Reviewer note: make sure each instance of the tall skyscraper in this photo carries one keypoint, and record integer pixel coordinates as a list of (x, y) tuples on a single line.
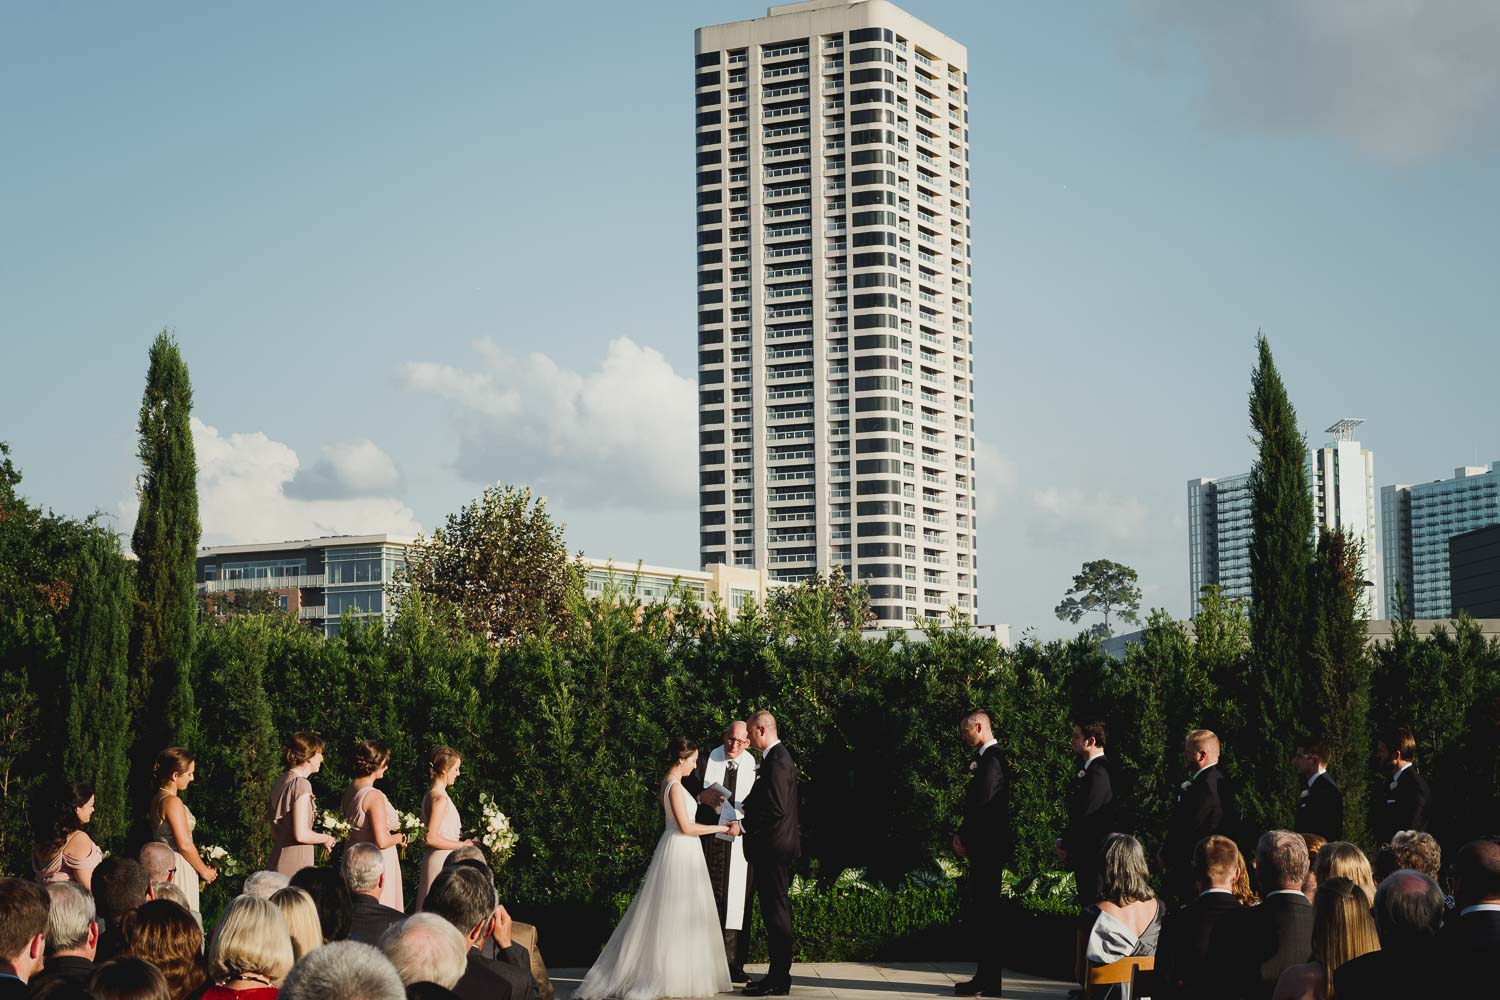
[(1429, 514), (1395, 551), (835, 374), (1342, 477), (1219, 530)]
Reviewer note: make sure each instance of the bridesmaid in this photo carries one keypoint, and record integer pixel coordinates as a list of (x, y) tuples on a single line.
[(439, 816), (63, 851), (293, 811), (172, 822), (371, 818)]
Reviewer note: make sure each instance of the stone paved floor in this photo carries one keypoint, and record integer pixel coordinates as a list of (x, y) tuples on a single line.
[(864, 981)]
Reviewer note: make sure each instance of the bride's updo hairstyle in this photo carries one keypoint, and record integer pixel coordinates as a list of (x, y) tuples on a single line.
[(679, 749)]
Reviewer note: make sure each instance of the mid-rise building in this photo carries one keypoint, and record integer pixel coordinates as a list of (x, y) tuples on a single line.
[(1474, 572), (1219, 532), (1342, 477), (1429, 514), (835, 367)]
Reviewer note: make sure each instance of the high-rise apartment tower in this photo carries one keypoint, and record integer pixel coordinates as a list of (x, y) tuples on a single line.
[(1342, 477), (835, 375), (1426, 516)]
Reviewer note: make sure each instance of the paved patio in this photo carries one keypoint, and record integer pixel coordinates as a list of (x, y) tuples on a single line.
[(870, 981)]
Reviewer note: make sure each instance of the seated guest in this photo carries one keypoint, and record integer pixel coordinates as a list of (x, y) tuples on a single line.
[(1472, 939), (1342, 930), (1243, 890), (159, 860), (120, 885), (1251, 948), (301, 916), (1420, 852), (172, 892), (1408, 912), (128, 978), (23, 934), (1383, 864), (1181, 971), (57, 989), (465, 897), (344, 970), (1342, 859), (524, 934), (365, 872), (265, 884), (72, 935), (328, 891), (64, 852), (1314, 844), (165, 934), (1130, 915), (429, 954), (251, 951)]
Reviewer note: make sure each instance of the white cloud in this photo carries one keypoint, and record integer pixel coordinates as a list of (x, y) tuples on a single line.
[(1075, 516), (621, 436), (1402, 79), (995, 477), (243, 498), (346, 470)]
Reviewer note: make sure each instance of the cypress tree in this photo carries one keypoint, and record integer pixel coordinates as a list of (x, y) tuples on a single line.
[(1281, 554), (166, 544)]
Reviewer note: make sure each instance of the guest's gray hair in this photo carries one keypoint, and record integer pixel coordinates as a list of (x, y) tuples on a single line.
[(464, 896), (343, 970), (265, 884), (159, 860), (363, 866), (69, 914), (1281, 860), (426, 948), (1408, 909), (1123, 877), (468, 852)]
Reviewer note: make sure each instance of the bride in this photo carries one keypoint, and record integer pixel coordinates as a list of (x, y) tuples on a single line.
[(669, 944)]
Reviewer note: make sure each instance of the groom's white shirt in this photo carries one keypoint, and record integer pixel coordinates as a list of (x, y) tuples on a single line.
[(769, 747)]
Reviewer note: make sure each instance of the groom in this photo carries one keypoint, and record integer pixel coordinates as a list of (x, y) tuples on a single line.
[(772, 842)]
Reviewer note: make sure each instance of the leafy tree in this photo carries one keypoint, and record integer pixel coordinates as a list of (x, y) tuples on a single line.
[(165, 543), (1281, 554), (232, 603), (835, 598), (501, 562), (1105, 588), (1336, 705)]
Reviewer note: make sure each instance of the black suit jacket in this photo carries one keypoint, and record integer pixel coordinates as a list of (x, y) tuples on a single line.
[(1320, 809), (1406, 806), (1253, 946), (1204, 808), (429, 991), (1182, 957), (65, 969), (1470, 945), (770, 824), (370, 918), (1091, 817), (13, 988), (502, 978), (1393, 975), (985, 830)]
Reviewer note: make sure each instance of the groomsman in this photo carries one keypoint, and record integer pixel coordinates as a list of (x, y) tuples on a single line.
[(730, 766), (1320, 807), (984, 838), (1205, 806), (1408, 800), (772, 843), (1091, 811)]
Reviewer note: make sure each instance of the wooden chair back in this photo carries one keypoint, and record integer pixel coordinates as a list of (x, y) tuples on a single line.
[(1119, 972)]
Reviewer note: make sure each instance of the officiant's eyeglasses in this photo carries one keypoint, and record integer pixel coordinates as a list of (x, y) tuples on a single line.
[(736, 742)]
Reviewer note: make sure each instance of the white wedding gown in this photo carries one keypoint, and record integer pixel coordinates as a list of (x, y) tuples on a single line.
[(670, 943)]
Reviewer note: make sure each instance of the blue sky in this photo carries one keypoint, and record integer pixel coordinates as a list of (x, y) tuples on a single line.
[(411, 250)]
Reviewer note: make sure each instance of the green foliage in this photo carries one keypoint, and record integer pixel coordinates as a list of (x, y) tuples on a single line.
[(1105, 588), (165, 543), (1281, 555)]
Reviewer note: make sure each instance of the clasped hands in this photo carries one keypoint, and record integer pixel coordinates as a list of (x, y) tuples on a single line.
[(714, 800)]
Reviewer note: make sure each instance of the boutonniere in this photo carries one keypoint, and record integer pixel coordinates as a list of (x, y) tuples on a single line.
[(1187, 784), (974, 766), (1080, 773), (1395, 783), (1304, 794)]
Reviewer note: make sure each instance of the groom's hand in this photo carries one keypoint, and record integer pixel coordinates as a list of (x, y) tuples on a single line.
[(735, 829), (711, 798)]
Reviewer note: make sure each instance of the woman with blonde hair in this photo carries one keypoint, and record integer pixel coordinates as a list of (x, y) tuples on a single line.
[(372, 820), (1341, 859), (166, 935), (439, 816), (301, 916), (293, 810), (1342, 930), (172, 822), (251, 951), (1242, 889)]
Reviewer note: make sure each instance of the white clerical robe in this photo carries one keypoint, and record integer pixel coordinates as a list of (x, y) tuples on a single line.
[(714, 771)]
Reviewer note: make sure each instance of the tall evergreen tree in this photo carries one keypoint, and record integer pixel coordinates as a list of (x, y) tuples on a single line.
[(166, 544), (1337, 701), (1281, 553)]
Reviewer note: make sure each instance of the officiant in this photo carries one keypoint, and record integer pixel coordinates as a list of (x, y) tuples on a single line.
[(731, 768)]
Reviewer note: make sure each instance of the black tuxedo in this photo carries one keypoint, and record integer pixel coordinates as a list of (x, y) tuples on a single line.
[(1253, 946), (1406, 807), (772, 843), (986, 839), (505, 977), (1469, 945), (1205, 807), (64, 968), (1182, 958), (1091, 818), (1394, 975), (1320, 809)]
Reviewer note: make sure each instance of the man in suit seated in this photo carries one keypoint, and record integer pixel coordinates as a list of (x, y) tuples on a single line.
[(1408, 913), (1472, 939), (72, 935), (23, 935), (1252, 947), (364, 873), (1181, 962), (465, 897), (429, 954)]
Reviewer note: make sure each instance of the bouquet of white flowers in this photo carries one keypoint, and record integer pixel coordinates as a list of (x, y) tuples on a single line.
[(228, 865), (334, 823), (411, 825), (495, 833)]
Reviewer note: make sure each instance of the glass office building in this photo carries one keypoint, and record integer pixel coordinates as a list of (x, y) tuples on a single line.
[(1429, 514)]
